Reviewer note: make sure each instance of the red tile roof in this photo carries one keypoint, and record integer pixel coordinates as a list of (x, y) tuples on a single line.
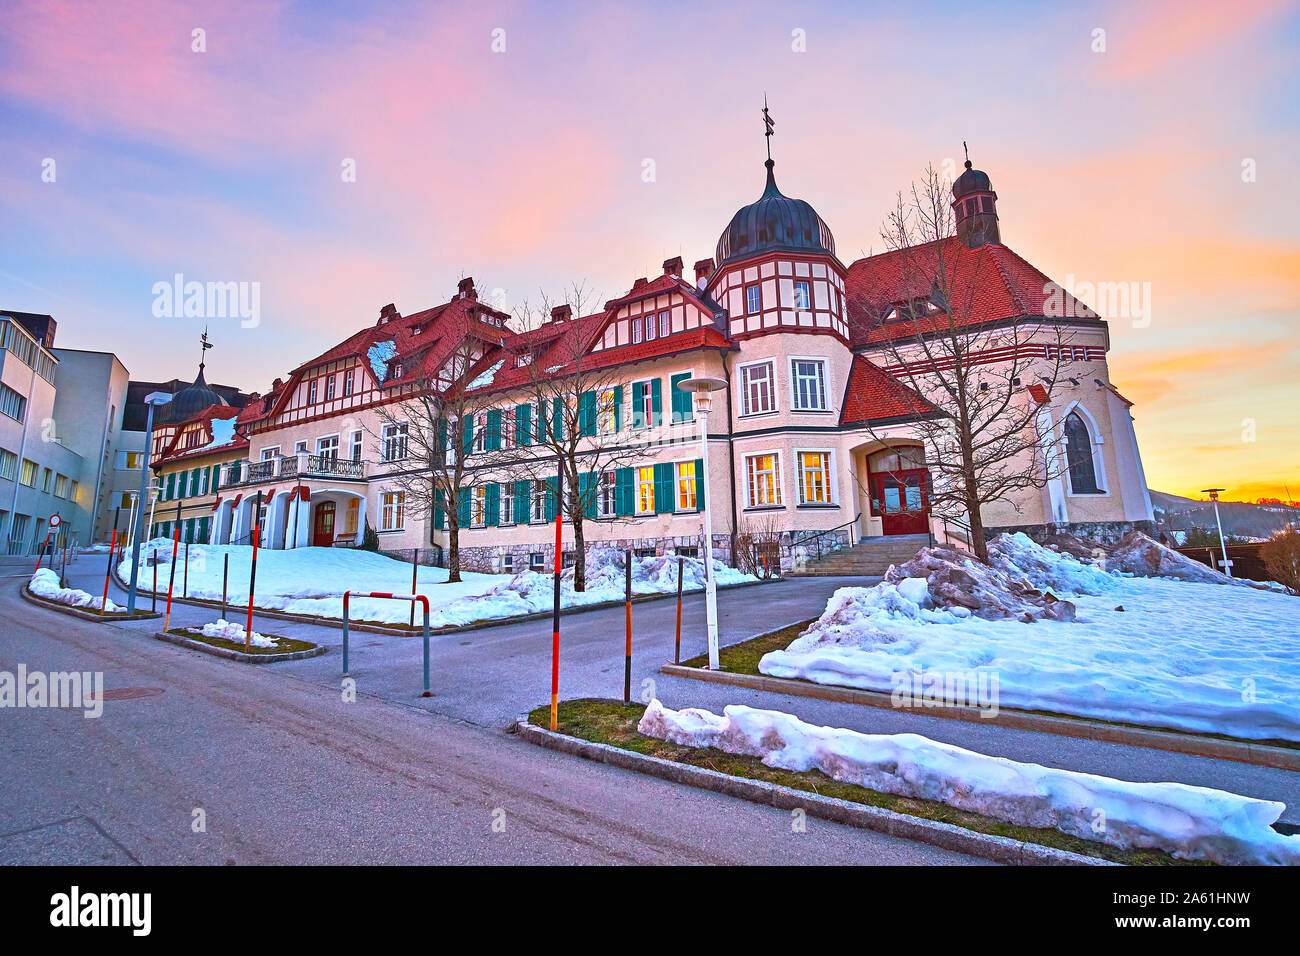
[(988, 284), (205, 418), (875, 395)]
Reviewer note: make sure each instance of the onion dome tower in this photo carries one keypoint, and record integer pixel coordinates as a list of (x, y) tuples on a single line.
[(192, 399), (976, 206), (774, 222)]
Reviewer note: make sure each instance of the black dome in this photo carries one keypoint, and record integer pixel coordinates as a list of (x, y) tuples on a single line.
[(971, 181), (189, 401), (774, 222)]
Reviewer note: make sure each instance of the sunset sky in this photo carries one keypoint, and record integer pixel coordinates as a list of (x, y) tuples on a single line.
[(526, 169)]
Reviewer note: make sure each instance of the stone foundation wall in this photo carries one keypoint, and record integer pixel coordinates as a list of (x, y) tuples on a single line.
[(491, 559), (1105, 532)]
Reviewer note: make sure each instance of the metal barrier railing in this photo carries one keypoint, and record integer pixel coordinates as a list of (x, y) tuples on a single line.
[(347, 595)]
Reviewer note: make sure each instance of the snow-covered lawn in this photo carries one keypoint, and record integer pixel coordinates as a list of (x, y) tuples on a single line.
[(45, 584), (311, 581), (1212, 658), (234, 631), (1188, 822)]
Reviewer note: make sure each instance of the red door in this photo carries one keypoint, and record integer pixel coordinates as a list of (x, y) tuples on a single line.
[(902, 501), (323, 532)]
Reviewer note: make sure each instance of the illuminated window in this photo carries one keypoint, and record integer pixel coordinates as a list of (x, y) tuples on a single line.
[(478, 507), (645, 490), (763, 474), (815, 478), (686, 486)]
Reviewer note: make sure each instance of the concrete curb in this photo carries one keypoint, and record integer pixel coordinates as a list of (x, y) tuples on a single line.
[(945, 835), (1262, 755), (77, 612), (401, 630), (194, 645)]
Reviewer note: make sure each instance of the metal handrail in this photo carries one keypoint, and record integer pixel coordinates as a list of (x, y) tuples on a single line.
[(818, 535)]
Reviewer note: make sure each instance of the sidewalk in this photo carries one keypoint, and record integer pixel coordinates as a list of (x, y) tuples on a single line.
[(491, 676)]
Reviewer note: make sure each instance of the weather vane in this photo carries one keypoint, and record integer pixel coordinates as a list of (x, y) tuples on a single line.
[(203, 341), (768, 124)]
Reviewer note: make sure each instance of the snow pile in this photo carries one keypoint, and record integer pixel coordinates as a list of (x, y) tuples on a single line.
[(45, 584), (234, 631), (486, 377), (1137, 554), (311, 581), (1188, 822), (1152, 651)]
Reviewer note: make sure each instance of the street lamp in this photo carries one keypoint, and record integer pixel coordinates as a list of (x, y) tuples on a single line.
[(1214, 496), (703, 388), (153, 400)]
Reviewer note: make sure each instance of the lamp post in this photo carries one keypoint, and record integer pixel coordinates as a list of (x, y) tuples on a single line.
[(153, 400), (1214, 496), (703, 388)]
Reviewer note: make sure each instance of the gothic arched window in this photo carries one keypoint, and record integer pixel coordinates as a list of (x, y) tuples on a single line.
[(1078, 454)]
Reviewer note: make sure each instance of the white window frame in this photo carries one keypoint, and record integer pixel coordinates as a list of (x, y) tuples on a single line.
[(665, 323), (269, 452), (330, 387), (606, 412), (778, 479), (390, 510), (607, 494), (478, 506), (338, 445), (647, 402), (753, 308), (804, 285), (388, 438), (506, 504), (348, 382), (356, 446), (636, 490), (636, 330), (311, 391), (537, 501), (832, 498), (824, 383), (651, 321), (679, 491), (1097, 440), (743, 381)]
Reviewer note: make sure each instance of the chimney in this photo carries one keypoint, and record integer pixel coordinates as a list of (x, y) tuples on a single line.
[(673, 266), (387, 314), (561, 313), (703, 272), (465, 289)]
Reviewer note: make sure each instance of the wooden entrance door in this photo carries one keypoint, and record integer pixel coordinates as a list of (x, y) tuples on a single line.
[(902, 501), (323, 530)]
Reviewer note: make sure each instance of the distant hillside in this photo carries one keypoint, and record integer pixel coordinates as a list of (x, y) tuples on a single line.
[(1243, 518)]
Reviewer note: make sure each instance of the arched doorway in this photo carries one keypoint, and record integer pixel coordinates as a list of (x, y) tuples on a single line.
[(899, 485)]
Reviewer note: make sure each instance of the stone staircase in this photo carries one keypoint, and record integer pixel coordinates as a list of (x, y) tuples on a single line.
[(870, 556)]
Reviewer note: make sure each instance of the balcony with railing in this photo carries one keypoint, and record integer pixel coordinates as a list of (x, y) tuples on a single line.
[(243, 473)]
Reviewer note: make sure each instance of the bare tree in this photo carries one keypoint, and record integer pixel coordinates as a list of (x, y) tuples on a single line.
[(426, 436), (578, 437), (988, 440)]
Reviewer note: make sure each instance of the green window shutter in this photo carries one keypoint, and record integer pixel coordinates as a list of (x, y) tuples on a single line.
[(166, 529), (663, 488), (493, 505), (623, 491), (551, 498), (524, 424), (439, 512), (557, 411), (203, 530), (656, 403), (587, 493), (522, 503), (171, 487), (194, 482), (440, 431), (587, 414), (462, 507), (638, 405), (618, 408), (493, 439), (699, 484), (466, 435), (683, 408)]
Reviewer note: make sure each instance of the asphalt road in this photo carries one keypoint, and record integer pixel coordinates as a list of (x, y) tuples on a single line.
[(284, 771)]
